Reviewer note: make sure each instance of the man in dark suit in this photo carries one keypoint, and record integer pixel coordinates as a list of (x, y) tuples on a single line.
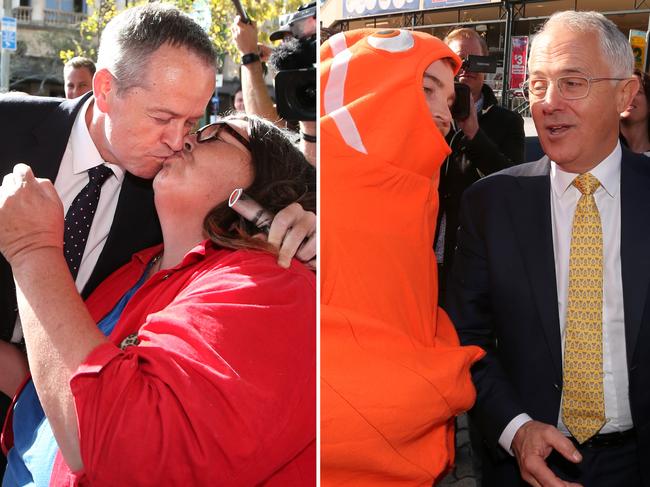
[(156, 71), (551, 278), (489, 139)]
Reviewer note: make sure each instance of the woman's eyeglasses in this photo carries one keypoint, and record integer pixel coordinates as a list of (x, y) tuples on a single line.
[(211, 132)]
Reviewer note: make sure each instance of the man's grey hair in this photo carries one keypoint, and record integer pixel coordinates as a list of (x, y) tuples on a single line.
[(613, 44), (79, 62), (130, 38)]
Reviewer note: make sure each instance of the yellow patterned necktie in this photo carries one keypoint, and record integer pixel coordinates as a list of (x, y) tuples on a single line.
[(583, 403)]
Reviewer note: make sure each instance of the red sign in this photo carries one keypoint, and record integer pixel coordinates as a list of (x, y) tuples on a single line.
[(518, 61)]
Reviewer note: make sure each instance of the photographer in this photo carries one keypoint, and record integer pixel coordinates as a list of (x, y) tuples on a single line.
[(489, 139), (256, 99), (297, 51), (295, 88)]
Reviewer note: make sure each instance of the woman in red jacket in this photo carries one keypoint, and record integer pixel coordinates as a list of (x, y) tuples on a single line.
[(192, 365)]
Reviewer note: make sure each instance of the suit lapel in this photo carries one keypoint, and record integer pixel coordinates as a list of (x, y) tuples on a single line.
[(635, 242), (52, 138), (530, 207)]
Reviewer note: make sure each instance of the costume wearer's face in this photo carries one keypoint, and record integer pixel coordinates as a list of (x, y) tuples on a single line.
[(146, 124), (239, 102), (576, 134), (202, 175), (438, 86), (77, 82), (464, 48), (637, 111)]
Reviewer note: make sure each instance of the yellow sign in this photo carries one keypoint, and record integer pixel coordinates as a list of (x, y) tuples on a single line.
[(637, 41)]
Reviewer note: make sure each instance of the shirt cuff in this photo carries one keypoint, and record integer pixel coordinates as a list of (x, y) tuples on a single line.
[(508, 434)]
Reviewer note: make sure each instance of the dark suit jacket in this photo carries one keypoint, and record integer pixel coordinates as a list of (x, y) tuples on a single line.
[(35, 131), (503, 297), (498, 144)]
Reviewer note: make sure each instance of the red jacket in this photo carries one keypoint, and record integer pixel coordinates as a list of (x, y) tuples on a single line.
[(221, 388)]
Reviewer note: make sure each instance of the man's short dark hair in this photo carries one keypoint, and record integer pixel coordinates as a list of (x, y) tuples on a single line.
[(79, 62), (467, 33), (129, 40)]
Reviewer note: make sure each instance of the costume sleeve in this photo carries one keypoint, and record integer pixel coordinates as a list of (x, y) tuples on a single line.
[(220, 391), (469, 307), (490, 155)]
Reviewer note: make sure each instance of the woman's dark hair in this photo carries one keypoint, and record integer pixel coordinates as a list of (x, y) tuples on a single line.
[(281, 176), (645, 84)]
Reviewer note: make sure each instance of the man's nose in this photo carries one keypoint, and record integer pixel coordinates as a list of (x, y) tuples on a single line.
[(443, 120), (552, 99), (174, 135)]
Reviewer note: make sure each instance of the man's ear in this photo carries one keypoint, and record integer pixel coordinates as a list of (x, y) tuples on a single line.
[(104, 89), (628, 88)]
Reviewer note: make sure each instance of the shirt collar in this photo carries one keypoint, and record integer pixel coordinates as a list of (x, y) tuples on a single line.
[(84, 152), (608, 172), (479, 103), (195, 254)]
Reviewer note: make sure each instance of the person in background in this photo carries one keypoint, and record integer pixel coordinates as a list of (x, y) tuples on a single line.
[(635, 120), (491, 138), (194, 364), (393, 376), (238, 100), (78, 75), (296, 51)]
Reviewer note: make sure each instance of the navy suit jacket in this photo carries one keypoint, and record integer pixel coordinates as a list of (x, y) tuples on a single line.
[(35, 131), (503, 297)]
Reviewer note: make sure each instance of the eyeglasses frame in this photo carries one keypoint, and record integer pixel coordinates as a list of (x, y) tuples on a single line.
[(526, 92), (223, 125)]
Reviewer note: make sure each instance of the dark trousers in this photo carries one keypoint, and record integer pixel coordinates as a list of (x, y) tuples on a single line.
[(612, 466)]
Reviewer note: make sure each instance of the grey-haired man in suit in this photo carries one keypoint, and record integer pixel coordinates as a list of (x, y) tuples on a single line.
[(563, 390)]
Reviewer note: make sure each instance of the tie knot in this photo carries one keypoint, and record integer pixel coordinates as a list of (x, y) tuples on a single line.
[(99, 174), (586, 183)]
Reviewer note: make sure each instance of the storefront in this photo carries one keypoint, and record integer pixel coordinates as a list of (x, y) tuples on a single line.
[(506, 25)]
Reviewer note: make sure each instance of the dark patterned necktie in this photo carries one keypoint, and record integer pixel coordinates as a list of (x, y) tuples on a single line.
[(80, 216)]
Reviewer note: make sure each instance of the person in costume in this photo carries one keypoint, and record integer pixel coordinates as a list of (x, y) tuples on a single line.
[(393, 376)]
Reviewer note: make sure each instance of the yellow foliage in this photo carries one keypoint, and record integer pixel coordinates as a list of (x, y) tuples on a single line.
[(266, 14)]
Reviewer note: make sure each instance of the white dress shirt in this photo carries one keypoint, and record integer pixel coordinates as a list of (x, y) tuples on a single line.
[(79, 156), (564, 199)]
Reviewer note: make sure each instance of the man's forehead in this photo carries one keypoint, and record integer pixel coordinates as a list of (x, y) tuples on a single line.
[(465, 44), (557, 45), (440, 69)]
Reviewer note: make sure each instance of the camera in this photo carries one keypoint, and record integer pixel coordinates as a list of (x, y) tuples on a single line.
[(479, 64), (473, 64), (460, 108), (294, 61)]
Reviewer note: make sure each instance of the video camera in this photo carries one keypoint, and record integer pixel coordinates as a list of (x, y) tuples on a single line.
[(473, 64), (295, 60), (479, 64)]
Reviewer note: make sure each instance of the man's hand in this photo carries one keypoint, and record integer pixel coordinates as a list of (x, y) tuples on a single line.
[(265, 52), (244, 35), (532, 444), (31, 215), (288, 229), (469, 126)]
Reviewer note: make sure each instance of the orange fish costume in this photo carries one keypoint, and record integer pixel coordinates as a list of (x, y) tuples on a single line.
[(393, 375)]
